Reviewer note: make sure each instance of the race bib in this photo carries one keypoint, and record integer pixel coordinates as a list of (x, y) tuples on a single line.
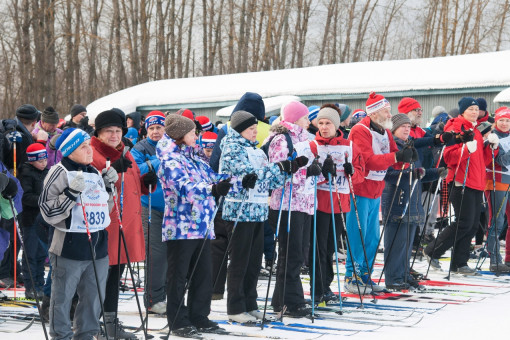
[(340, 155), (380, 146)]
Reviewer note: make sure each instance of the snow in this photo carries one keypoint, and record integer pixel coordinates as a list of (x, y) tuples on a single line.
[(452, 72), (503, 96)]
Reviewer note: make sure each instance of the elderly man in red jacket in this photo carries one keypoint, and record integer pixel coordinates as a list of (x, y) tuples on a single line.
[(373, 136)]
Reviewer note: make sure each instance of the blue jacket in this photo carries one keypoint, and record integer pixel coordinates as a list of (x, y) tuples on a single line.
[(234, 161), (415, 208), (145, 151)]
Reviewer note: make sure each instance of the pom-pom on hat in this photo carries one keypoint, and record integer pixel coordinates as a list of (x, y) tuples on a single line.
[(466, 102), (70, 140), (408, 104), (177, 126), (36, 152), (505, 113), (155, 118), (398, 120), (312, 112), (241, 120), (205, 122), (208, 139), (376, 102), (293, 111)]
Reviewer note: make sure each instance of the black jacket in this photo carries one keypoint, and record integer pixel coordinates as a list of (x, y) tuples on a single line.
[(31, 180), (6, 126)]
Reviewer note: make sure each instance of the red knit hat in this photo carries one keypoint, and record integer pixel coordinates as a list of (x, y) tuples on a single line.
[(205, 122), (186, 113), (155, 118), (408, 104), (36, 152), (501, 109), (505, 113), (208, 139), (376, 102)]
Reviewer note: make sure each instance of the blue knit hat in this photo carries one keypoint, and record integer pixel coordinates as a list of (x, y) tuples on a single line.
[(466, 102), (251, 102), (482, 103), (313, 111), (70, 140)]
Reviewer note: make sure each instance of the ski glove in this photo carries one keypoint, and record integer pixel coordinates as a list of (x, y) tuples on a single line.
[(415, 155), (348, 169), (443, 172), (122, 164), (291, 167), (150, 178), (110, 177), (77, 185), (493, 141), (328, 167), (314, 169), (249, 180), (418, 173), (465, 136), (471, 146), (405, 155), (14, 137), (221, 188), (11, 188), (443, 138)]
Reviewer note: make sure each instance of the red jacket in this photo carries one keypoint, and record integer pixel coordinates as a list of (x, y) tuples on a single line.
[(417, 132), (362, 136), (132, 214), (323, 198), (479, 159)]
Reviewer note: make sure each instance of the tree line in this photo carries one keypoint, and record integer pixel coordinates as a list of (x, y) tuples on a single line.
[(61, 52)]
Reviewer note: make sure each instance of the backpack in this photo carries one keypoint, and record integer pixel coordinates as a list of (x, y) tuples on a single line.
[(266, 145)]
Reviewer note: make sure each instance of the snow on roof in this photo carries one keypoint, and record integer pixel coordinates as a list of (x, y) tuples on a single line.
[(382, 76), (270, 104), (503, 96)]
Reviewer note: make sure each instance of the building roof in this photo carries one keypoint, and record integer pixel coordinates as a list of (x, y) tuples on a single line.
[(503, 96), (440, 73)]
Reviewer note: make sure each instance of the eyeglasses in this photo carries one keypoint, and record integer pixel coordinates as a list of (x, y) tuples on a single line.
[(418, 110)]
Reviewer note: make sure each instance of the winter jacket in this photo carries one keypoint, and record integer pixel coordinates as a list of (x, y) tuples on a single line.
[(84, 125), (186, 182), (57, 202), (235, 162), (6, 126), (262, 133), (478, 160), (485, 118), (302, 197), (323, 198), (17, 199), (501, 163), (132, 210), (144, 152), (361, 134), (31, 180), (50, 134), (415, 208)]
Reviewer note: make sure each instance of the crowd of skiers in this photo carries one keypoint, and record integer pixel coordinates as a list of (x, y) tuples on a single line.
[(202, 205)]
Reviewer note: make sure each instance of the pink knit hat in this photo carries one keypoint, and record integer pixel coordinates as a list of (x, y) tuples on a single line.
[(293, 111)]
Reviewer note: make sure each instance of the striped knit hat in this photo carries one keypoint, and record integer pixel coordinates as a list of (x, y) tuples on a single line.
[(376, 102), (155, 118), (205, 122), (208, 139), (70, 140), (36, 152), (313, 111)]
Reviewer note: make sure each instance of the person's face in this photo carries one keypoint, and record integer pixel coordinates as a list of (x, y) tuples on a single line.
[(250, 133), (190, 139), (82, 154), (481, 113), (415, 116), (111, 136), (503, 124), (303, 122), (48, 127), (155, 132), (129, 122), (40, 164), (314, 123), (208, 152), (471, 113), (383, 117), (326, 128), (79, 116), (403, 131)]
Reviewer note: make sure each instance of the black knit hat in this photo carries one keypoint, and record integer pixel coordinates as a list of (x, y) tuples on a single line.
[(27, 111), (110, 118), (50, 116), (77, 109), (241, 120)]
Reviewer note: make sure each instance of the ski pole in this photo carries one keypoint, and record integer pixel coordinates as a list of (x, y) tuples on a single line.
[(148, 263), (406, 271), (93, 254), (496, 241), (14, 170), (18, 233), (122, 239), (314, 243), (336, 248), (287, 247), (276, 241)]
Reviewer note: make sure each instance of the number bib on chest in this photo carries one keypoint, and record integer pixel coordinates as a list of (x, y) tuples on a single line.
[(338, 153), (95, 200), (303, 149), (504, 143), (260, 193), (380, 146)]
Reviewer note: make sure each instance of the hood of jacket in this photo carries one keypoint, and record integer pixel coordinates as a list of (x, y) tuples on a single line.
[(235, 137)]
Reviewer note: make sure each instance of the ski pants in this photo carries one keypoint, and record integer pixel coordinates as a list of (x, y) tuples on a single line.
[(397, 256), (223, 231)]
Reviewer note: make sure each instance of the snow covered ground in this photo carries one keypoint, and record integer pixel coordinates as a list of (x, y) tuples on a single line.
[(474, 307)]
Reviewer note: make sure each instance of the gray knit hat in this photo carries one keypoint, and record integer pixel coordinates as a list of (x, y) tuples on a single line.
[(49, 115), (398, 120), (331, 114), (436, 111), (241, 120), (177, 126)]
